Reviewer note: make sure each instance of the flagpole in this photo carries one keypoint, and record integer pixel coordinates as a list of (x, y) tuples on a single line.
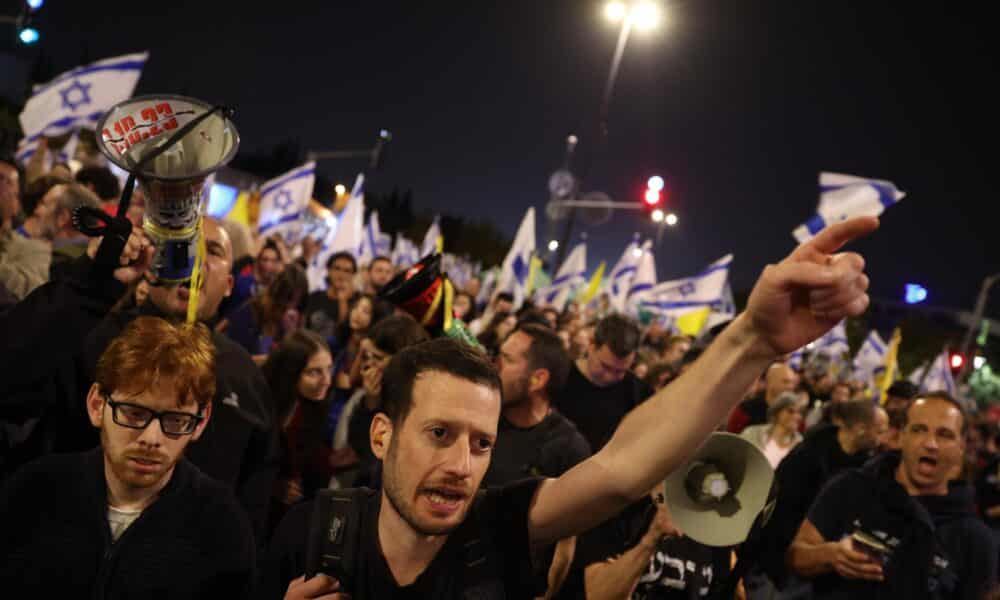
[(977, 316)]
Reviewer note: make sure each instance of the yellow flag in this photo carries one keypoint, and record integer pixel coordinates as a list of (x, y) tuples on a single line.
[(536, 265), (594, 285), (439, 244), (240, 212), (692, 323), (891, 366)]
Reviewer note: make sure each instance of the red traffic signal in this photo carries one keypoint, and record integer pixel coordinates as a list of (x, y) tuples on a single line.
[(956, 361), (652, 197)]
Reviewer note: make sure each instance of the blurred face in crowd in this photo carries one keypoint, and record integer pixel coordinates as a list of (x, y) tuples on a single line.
[(932, 446), (142, 458), (676, 351), (316, 377), (882, 437), (341, 274), (503, 306), (379, 273), (373, 357), (896, 403), (472, 287), (552, 317), (789, 418), (217, 282), (462, 306), (604, 368), (269, 265), (512, 364), (10, 197), (137, 207), (435, 458), (564, 336), (780, 378), (361, 314), (840, 393), (141, 292), (506, 326), (47, 212)]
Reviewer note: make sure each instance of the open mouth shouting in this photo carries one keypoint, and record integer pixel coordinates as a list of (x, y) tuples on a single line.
[(927, 465), (444, 500)]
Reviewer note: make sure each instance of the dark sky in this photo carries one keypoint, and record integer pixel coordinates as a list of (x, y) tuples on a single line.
[(737, 103)]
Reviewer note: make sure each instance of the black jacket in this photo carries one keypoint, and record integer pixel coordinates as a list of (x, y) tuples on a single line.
[(193, 542), (939, 548), (798, 479)]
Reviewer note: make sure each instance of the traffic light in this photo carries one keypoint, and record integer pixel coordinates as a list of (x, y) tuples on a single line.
[(654, 192), (956, 361), (25, 32)]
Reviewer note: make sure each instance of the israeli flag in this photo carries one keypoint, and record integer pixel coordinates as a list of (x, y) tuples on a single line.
[(619, 281), (724, 312), (843, 197), (347, 237), (642, 283), (517, 264), (283, 200), (486, 288), (429, 245), (870, 357), (795, 359), (571, 275), (405, 253), (937, 379), (374, 242), (77, 98), (679, 296), (834, 342)]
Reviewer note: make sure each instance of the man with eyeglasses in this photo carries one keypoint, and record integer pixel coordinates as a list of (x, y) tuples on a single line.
[(325, 309), (132, 518)]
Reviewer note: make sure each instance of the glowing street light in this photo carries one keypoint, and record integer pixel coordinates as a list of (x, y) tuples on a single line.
[(615, 11), (553, 245), (28, 35), (671, 219), (655, 183), (646, 15), (340, 189), (658, 216), (637, 252), (978, 362)]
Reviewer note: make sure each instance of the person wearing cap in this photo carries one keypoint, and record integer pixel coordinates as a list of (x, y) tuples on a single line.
[(781, 433)]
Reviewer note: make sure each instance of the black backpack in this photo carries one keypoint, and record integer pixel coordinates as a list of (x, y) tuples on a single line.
[(334, 543)]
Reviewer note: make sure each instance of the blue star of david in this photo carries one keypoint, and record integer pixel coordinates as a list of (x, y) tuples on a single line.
[(283, 201), (686, 289), (72, 100), (520, 269)]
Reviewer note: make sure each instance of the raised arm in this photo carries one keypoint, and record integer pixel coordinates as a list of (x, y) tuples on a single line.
[(793, 303)]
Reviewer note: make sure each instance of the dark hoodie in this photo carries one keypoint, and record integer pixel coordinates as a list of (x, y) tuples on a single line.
[(799, 477), (939, 549)]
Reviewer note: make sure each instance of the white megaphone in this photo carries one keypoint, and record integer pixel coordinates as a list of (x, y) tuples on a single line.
[(139, 135), (716, 497)]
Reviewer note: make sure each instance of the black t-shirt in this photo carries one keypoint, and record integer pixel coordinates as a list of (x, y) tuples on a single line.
[(597, 411), (322, 314), (680, 568), (503, 512), (548, 449)]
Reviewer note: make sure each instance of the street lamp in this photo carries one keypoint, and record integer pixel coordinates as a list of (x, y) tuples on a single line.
[(658, 216), (340, 189), (671, 219), (553, 245)]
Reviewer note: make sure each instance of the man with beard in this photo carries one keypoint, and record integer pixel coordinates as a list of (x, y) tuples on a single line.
[(132, 518), (429, 534), (898, 528), (533, 439)]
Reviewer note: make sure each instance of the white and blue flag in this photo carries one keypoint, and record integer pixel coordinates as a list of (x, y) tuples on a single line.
[(283, 200), (517, 264), (843, 197), (429, 245), (619, 280), (405, 253), (78, 98), (870, 357), (375, 242), (571, 275), (643, 282), (724, 312), (833, 343), (938, 378), (347, 237), (489, 284), (679, 296)]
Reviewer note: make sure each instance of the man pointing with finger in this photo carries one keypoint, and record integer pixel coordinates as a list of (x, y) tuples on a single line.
[(441, 406)]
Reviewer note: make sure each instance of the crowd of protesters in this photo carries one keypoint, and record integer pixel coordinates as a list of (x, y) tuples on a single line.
[(278, 392)]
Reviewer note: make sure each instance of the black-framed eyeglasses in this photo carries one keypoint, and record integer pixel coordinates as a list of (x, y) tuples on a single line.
[(134, 416)]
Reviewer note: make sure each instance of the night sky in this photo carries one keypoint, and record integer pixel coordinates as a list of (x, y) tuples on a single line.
[(737, 103)]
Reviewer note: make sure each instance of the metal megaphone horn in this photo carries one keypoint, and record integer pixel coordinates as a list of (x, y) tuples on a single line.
[(170, 144)]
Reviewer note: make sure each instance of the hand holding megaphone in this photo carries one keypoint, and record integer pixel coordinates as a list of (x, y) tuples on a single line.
[(662, 525), (135, 258)]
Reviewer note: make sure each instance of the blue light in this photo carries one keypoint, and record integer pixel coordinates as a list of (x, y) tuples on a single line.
[(35, 4), (221, 199), (28, 35), (915, 293)]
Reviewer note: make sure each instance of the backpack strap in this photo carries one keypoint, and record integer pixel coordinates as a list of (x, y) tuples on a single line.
[(335, 531)]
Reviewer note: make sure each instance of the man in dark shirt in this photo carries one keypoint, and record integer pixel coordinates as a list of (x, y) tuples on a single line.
[(440, 409), (533, 439), (133, 518), (325, 309), (898, 528), (600, 389)]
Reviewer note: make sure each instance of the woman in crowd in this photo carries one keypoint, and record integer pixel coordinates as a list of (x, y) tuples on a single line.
[(780, 434), (264, 320), (465, 307), (299, 373), (496, 331)]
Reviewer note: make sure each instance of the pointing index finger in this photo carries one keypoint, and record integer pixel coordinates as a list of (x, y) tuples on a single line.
[(834, 237)]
